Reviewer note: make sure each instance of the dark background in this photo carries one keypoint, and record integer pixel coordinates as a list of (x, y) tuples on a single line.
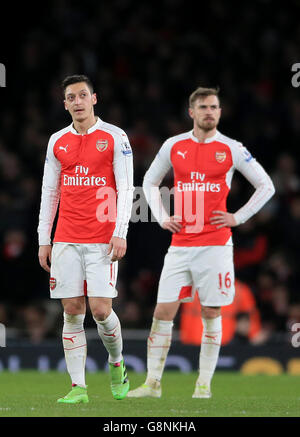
[(145, 59)]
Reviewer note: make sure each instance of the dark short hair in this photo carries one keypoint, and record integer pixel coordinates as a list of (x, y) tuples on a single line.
[(76, 78), (201, 93)]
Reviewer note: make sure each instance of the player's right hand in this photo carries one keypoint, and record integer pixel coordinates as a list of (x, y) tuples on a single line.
[(173, 224), (45, 257)]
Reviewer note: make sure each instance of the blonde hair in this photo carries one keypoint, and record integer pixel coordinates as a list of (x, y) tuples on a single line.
[(201, 93)]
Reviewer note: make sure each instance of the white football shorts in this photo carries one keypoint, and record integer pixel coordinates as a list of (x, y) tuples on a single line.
[(82, 269), (207, 270)]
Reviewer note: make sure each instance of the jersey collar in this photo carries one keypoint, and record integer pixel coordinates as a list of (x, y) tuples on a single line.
[(208, 140), (90, 130)]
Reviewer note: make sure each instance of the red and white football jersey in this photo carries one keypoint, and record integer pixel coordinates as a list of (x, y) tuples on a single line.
[(202, 180), (80, 172)]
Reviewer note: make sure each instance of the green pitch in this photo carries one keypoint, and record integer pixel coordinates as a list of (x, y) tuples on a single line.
[(30, 393)]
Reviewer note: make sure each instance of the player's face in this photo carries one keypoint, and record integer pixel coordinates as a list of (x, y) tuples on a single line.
[(79, 101), (206, 112)]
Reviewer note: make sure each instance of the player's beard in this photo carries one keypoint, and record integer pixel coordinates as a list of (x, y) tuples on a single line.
[(207, 125)]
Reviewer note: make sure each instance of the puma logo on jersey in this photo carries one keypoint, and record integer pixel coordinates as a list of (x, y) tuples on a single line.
[(181, 153), (64, 148)]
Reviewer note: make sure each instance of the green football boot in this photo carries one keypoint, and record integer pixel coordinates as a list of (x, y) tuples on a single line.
[(77, 395), (119, 380)]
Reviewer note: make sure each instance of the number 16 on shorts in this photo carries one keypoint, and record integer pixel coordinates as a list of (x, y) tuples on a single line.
[(225, 283)]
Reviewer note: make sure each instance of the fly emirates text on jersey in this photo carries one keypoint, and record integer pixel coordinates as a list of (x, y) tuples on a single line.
[(198, 184), (81, 177)]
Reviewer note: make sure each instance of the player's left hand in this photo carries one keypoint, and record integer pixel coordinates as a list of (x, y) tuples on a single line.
[(117, 246), (222, 219)]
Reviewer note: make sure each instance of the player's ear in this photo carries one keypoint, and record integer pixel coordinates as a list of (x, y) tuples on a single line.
[(65, 103), (94, 98), (191, 112)]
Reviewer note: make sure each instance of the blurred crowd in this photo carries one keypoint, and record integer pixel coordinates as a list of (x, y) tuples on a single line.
[(145, 62)]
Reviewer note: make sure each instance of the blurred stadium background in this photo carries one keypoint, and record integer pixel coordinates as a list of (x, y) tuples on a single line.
[(145, 58)]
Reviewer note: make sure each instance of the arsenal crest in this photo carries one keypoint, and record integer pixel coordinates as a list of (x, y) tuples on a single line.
[(102, 145), (52, 283), (220, 156)]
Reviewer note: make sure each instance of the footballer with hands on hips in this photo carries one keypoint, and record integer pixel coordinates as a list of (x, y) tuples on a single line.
[(200, 257), (88, 178)]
